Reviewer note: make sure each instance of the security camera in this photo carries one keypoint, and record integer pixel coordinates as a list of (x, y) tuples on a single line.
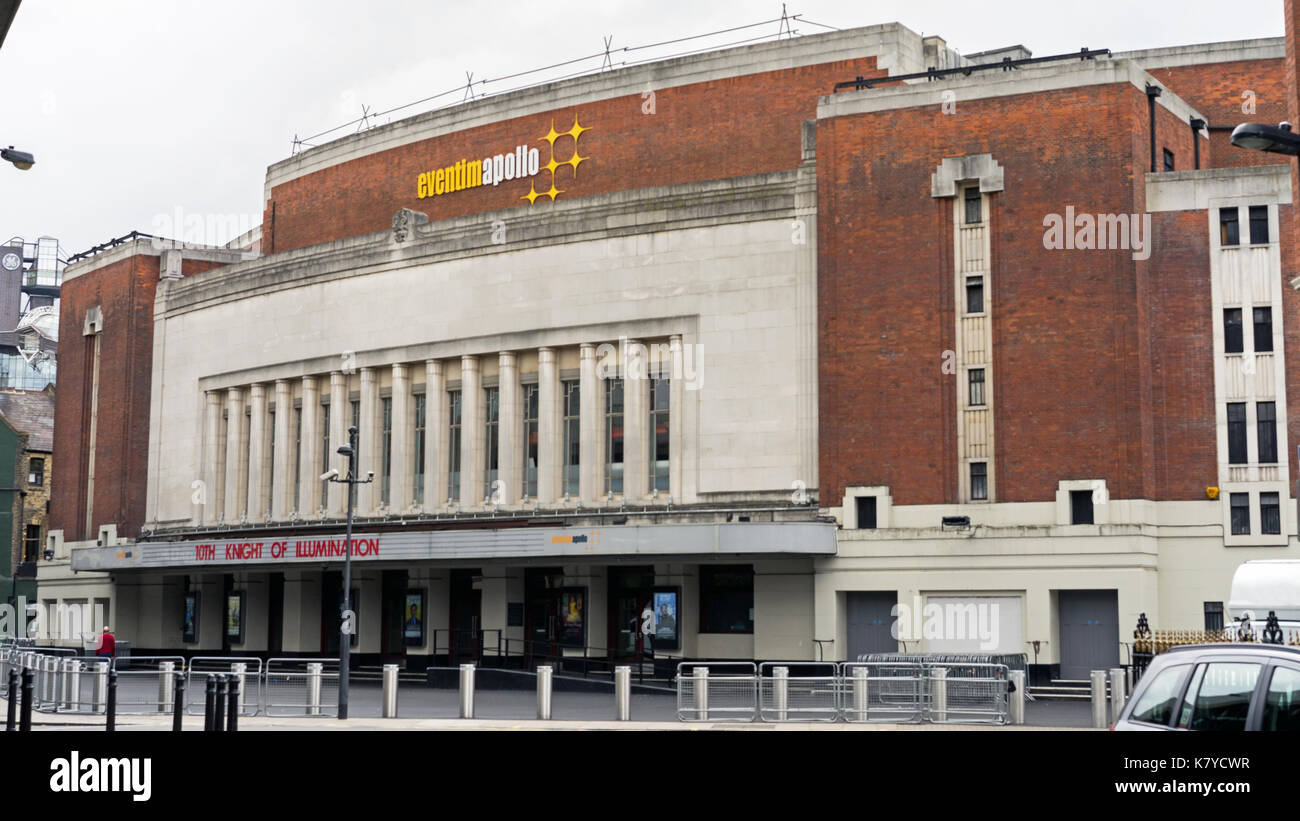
[(370, 474), (329, 474)]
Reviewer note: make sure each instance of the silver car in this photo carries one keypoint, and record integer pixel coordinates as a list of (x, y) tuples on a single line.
[(1223, 687)]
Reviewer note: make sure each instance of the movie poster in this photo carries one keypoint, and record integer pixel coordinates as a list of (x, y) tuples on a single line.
[(573, 627), (413, 614), (190, 619), (665, 624), (235, 618)]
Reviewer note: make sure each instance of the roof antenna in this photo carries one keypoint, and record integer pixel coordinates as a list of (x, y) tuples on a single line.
[(785, 24), (607, 63)]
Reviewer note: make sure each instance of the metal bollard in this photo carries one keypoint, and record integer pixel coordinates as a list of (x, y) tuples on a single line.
[(313, 688), (70, 685), (110, 711), (781, 692), (861, 703), (1016, 709), (11, 721), (209, 703), (1117, 693), (178, 714), (939, 693), (700, 675), (219, 706), (239, 675), (99, 695), (232, 705), (1128, 676), (390, 691), (623, 693), (467, 691), (25, 715), (50, 690), (165, 671), (1099, 699), (545, 683)]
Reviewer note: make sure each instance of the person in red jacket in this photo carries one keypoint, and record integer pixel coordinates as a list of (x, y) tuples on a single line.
[(107, 644)]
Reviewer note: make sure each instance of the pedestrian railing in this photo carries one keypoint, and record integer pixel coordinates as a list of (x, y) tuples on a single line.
[(146, 683), (895, 692), (246, 671), (717, 691), (798, 691), (301, 687)]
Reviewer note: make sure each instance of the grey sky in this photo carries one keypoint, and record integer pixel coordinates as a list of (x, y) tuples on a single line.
[(136, 109)]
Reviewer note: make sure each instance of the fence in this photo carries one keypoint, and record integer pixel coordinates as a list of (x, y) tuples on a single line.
[(145, 684), (301, 687), (953, 692), (1148, 643), (247, 672)]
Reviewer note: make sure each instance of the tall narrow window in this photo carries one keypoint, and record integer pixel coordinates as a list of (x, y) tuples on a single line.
[(1266, 427), (976, 386), (531, 404), (1237, 433), (325, 453), (297, 460), (270, 476), (1232, 341), (613, 436), (1240, 514), (1228, 232), (659, 421), (453, 446), (1258, 224), (36, 471), (975, 295), (979, 480), (417, 456), (866, 510), (491, 439), (974, 206), (1081, 507), (1169, 159), (1270, 513), (386, 450), (572, 437), (1214, 616), (1263, 329), (356, 414)]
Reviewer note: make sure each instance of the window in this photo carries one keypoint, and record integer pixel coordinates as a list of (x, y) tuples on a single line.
[(975, 295), (1232, 342), (572, 437), (726, 598), (270, 477), (613, 436), (1240, 503), (976, 386), (1160, 699), (32, 543), (492, 438), (417, 456), (1258, 224), (974, 206), (866, 509), (1214, 616), (1263, 329), (386, 450), (36, 471), (659, 391), (356, 414), (1081, 507), (1169, 159), (979, 480), (1223, 698), (1282, 701), (1266, 427), (1228, 234), (531, 403), (1237, 433), (453, 446), (297, 459), (324, 453), (1270, 513)]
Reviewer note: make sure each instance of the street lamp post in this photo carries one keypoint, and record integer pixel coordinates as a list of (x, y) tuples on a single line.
[(1276, 139), (346, 626)]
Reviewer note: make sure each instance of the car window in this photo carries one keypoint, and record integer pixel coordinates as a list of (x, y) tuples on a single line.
[(1282, 701), (1157, 702), (1223, 698)]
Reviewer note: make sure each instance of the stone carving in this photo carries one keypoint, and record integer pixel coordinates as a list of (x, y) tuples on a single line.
[(404, 223)]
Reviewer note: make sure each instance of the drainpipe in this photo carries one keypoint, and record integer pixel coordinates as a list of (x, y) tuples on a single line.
[(1197, 124), (1152, 93)]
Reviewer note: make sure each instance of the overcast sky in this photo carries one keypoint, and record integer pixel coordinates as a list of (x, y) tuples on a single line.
[(135, 109)]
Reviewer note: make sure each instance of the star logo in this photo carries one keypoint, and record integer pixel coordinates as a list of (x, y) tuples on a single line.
[(554, 164)]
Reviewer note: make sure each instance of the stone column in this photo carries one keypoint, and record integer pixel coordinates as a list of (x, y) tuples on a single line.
[(592, 426), (368, 495), (550, 436), (676, 384), (636, 400), (256, 456), (510, 431), (340, 418), (435, 436), (234, 438), (399, 483), (214, 451), (281, 491), (309, 454), (472, 434)]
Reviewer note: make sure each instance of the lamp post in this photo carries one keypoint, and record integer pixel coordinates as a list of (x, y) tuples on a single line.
[(1276, 139), (21, 160), (346, 622)]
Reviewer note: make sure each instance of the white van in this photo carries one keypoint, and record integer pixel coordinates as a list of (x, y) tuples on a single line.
[(1261, 586)]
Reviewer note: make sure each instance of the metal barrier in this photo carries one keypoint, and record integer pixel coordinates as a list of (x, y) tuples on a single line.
[(971, 694), (146, 686), (301, 687), (717, 691), (248, 671), (812, 694), (896, 692)]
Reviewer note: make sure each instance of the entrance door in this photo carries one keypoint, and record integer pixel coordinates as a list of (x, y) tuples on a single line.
[(631, 592), (466, 616), (542, 613), (392, 646), (869, 622), (1089, 632)]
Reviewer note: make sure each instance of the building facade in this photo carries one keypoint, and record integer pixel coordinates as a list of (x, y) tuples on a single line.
[(748, 354)]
